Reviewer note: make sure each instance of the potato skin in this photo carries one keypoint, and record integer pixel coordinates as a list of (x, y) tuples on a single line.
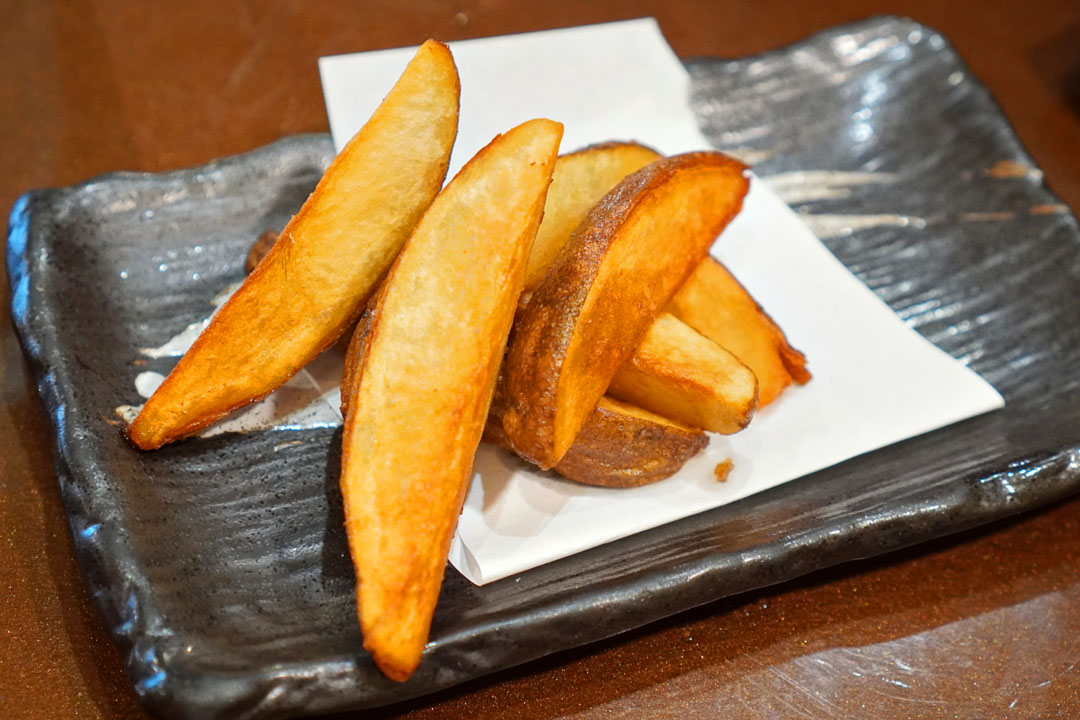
[(259, 250), (619, 446), (580, 180), (619, 268)]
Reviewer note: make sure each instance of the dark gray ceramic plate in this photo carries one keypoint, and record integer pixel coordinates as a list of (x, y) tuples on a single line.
[(220, 564)]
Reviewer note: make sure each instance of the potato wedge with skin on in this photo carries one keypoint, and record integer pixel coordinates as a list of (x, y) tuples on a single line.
[(580, 180), (619, 268), (424, 363), (680, 374), (311, 286), (619, 446), (715, 304), (700, 383)]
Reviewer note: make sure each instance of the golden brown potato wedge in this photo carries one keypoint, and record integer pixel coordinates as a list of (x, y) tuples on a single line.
[(620, 267), (683, 375), (618, 446), (580, 179), (423, 365), (625, 446), (714, 303), (675, 371), (313, 283)]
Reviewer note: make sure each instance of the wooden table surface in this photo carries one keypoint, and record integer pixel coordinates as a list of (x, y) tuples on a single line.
[(986, 624)]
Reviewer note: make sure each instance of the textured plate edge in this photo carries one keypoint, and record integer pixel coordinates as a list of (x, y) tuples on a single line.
[(101, 554), (1019, 147), (1057, 476)]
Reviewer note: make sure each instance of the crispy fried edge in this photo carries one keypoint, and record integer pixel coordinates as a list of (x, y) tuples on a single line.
[(149, 430), (623, 158), (548, 328), (397, 662), (619, 446)]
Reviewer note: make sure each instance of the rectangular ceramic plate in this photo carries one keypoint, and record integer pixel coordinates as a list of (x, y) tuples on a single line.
[(220, 564)]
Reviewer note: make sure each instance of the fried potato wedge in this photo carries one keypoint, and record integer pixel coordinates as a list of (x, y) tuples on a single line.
[(680, 374), (619, 445), (620, 267), (312, 284), (580, 180), (424, 364), (714, 303)]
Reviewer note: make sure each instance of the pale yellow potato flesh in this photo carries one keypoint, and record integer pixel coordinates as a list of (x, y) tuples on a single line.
[(580, 180), (423, 366), (313, 283), (620, 267), (680, 374), (715, 304)]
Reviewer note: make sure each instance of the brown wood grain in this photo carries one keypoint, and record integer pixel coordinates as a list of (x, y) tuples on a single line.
[(985, 624)]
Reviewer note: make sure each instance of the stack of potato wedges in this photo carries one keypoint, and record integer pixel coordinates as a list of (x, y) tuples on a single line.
[(563, 307)]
